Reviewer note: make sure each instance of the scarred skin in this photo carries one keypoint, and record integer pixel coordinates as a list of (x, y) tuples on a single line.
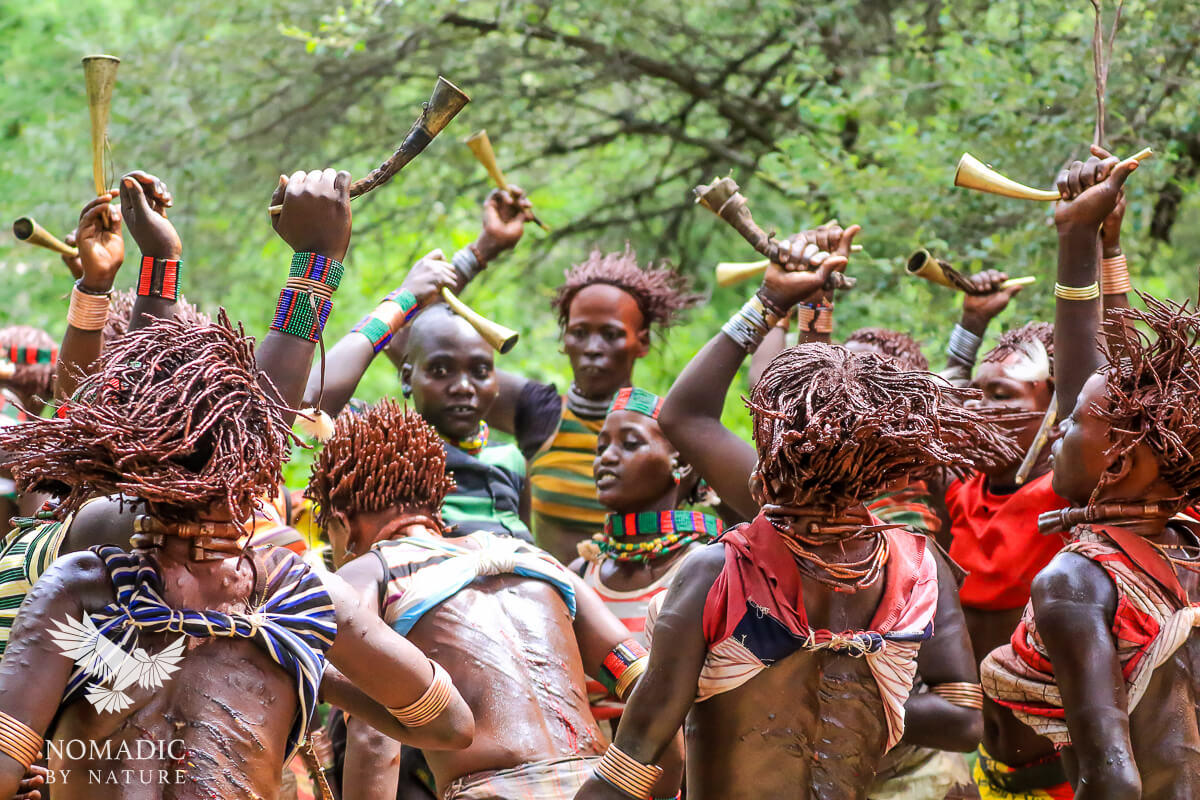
[(813, 719), (1114, 754), (512, 649), (229, 703)]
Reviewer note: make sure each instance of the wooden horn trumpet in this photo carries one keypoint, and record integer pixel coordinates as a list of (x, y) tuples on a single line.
[(731, 272), (27, 230), (481, 146), (99, 75), (974, 174), (443, 105), (922, 264), (724, 198), (501, 338)]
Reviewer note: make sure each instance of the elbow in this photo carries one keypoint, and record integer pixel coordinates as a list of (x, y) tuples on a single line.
[(459, 727), (1112, 782), (968, 731)]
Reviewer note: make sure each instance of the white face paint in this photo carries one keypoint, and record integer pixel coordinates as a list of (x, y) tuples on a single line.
[(1032, 367)]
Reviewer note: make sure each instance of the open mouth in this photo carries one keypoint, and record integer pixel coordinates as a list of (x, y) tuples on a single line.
[(606, 478), (461, 411)]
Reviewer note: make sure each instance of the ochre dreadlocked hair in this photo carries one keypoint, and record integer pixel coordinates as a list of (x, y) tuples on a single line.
[(33, 380), (120, 314), (382, 459), (661, 293), (1024, 340), (834, 428), (1151, 393), (174, 415), (899, 346)]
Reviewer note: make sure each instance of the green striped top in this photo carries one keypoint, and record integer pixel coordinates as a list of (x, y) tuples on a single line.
[(29, 550)]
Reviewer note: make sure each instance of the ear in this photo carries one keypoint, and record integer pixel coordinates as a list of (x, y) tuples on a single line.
[(757, 490), (643, 340), (406, 371)]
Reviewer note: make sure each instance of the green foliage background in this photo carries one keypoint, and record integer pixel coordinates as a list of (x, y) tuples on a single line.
[(608, 112)]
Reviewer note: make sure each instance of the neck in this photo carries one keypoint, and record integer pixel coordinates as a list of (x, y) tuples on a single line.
[(585, 405)]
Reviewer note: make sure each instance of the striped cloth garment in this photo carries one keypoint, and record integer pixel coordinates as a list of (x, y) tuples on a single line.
[(29, 550), (562, 489), (292, 620)]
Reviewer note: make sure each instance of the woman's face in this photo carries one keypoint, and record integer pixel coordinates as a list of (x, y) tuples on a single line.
[(1006, 384), (604, 336), (1078, 457), (634, 464)]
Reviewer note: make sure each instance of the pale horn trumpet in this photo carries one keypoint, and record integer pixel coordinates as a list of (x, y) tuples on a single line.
[(445, 102), (481, 146), (501, 338), (974, 174), (922, 264), (27, 230), (731, 272), (99, 75)]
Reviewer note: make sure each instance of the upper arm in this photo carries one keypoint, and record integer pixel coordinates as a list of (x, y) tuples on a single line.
[(662, 698), (597, 630), (1073, 603), (372, 767), (721, 458), (947, 657)]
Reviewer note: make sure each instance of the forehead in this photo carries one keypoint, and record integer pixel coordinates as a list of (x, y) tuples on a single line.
[(447, 335), (601, 303), (1015, 366), (1094, 393), (620, 421)]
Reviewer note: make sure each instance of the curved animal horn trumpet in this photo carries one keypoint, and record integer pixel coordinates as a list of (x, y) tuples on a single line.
[(27, 230), (501, 338), (99, 75), (922, 264), (724, 198), (974, 174), (445, 102), (481, 146)]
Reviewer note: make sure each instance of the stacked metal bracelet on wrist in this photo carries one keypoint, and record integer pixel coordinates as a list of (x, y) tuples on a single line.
[(393, 313), (963, 345), (1114, 275), (466, 263), (88, 310), (751, 323), (815, 317), (306, 299), (159, 277)]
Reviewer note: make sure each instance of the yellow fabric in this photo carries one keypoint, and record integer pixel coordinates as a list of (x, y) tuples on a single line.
[(990, 791)]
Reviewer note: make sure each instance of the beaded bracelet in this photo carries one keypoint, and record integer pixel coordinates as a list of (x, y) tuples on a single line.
[(393, 313), (963, 345), (301, 314), (429, 705), (623, 772), (623, 665), (30, 355), (1114, 276), (88, 311), (1089, 292), (317, 268), (159, 277), (815, 317)]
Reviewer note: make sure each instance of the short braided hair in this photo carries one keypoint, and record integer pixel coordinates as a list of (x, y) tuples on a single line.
[(899, 346), (32, 380)]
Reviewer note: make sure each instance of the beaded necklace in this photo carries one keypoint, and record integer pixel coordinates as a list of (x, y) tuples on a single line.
[(675, 529), (473, 444)]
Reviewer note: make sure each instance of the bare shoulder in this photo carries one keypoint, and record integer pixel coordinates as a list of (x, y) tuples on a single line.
[(691, 583), (1074, 582)]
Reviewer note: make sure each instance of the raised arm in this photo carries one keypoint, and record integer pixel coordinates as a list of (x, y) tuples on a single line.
[(348, 360), (691, 413), (977, 311), (315, 222), (1074, 602), (101, 252), (1092, 189), (144, 204)]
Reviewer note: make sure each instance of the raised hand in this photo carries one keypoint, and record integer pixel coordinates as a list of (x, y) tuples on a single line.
[(316, 212), (101, 248), (505, 213), (144, 203), (427, 277), (806, 271), (979, 309), (1110, 231), (1091, 190)]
